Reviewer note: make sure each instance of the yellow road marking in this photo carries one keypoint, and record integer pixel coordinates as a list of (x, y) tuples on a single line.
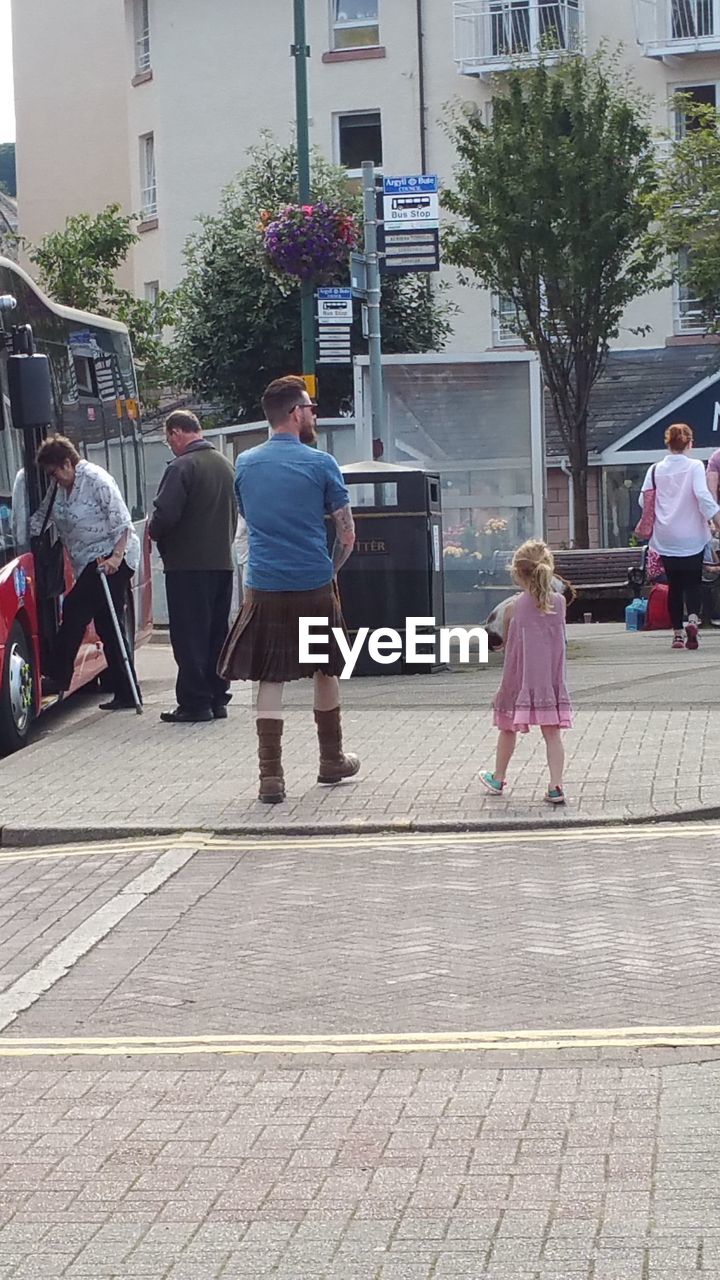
[(344, 1044), (379, 1037), (208, 842)]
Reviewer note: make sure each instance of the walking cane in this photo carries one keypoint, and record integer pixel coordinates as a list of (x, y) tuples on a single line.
[(122, 643)]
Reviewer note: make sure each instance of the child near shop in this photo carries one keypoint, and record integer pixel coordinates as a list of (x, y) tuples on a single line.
[(533, 690)]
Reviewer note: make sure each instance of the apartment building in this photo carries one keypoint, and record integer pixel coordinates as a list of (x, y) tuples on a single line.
[(154, 103)]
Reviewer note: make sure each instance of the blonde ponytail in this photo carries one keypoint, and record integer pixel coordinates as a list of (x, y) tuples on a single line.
[(533, 569)]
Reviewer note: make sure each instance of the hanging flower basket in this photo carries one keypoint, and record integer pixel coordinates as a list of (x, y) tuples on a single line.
[(310, 241)]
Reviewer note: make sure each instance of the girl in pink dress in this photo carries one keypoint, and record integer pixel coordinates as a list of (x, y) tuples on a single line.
[(533, 688)]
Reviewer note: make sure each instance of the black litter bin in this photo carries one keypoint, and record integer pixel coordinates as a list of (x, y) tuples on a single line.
[(396, 569)]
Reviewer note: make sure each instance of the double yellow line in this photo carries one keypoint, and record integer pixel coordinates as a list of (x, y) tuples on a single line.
[(208, 842), (536, 1041)]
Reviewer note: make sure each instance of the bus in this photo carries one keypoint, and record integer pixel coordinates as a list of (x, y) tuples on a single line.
[(93, 400)]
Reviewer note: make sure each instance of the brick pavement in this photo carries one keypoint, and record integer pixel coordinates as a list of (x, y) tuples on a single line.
[(41, 902), (588, 1172), (583, 1165), (646, 745), (412, 936)]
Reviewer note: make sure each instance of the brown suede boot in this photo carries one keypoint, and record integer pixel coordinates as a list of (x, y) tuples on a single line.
[(334, 763), (272, 781)]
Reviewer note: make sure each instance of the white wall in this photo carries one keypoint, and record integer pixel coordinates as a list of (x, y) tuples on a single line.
[(222, 72), (71, 107)]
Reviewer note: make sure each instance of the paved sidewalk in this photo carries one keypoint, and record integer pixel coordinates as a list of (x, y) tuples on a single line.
[(599, 1172), (646, 745), (152, 1160)]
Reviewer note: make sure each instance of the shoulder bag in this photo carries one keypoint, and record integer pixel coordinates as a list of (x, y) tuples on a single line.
[(646, 523), (49, 559)]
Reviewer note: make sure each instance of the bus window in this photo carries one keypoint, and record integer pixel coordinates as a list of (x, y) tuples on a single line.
[(135, 496), (85, 378), (115, 446)]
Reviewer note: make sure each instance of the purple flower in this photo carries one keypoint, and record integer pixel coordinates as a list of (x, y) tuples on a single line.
[(310, 241)]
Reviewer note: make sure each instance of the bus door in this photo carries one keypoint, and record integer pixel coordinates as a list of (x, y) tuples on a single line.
[(28, 411)]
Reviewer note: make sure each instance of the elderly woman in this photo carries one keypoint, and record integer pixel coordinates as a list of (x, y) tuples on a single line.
[(683, 507), (95, 527)]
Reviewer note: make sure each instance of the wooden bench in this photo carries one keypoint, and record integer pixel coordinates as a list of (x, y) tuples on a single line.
[(606, 572), (603, 572)]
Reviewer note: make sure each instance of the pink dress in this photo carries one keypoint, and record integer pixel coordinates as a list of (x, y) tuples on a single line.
[(533, 688)]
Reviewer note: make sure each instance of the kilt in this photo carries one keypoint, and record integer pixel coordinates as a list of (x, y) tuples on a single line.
[(264, 640)]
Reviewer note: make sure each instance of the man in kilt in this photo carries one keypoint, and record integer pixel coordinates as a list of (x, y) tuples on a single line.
[(285, 490)]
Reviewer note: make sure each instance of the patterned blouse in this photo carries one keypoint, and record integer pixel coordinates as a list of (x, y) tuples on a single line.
[(90, 518)]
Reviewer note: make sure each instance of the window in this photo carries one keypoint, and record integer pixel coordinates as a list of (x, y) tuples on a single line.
[(359, 138), (522, 26), (691, 19), (704, 95), (83, 368), (151, 291), (142, 36), (689, 315), (355, 24), (148, 185), (14, 530), (505, 325)]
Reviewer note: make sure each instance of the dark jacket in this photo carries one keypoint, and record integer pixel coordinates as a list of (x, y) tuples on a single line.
[(195, 512)]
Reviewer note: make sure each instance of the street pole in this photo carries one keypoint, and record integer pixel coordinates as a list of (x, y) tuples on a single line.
[(300, 51), (377, 397)]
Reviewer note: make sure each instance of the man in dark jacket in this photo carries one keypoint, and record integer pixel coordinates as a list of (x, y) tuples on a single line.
[(194, 522)]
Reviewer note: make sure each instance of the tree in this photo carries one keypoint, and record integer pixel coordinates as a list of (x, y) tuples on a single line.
[(238, 320), (687, 203), (552, 213), (77, 266)]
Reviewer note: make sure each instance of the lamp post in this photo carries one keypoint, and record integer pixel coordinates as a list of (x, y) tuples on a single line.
[(300, 51)]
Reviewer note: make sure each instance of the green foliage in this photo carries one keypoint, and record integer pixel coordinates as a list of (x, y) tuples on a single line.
[(8, 179), (77, 266), (238, 319), (551, 209), (686, 204)]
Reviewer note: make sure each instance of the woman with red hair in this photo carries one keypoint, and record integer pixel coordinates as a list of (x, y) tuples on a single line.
[(683, 507)]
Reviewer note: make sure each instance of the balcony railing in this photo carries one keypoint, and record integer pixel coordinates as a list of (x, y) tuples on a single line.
[(668, 28), (494, 35), (148, 203), (504, 328), (142, 52), (688, 314)]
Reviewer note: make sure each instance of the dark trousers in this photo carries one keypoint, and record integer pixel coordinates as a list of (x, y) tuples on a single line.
[(684, 576), (711, 600), (198, 603), (86, 603)]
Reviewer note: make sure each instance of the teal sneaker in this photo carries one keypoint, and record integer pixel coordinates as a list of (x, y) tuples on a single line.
[(491, 784), (555, 795)]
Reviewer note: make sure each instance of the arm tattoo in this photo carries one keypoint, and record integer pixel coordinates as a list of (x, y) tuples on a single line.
[(344, 536)]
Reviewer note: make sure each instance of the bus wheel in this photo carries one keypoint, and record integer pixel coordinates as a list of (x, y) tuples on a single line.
[(16, 692)]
